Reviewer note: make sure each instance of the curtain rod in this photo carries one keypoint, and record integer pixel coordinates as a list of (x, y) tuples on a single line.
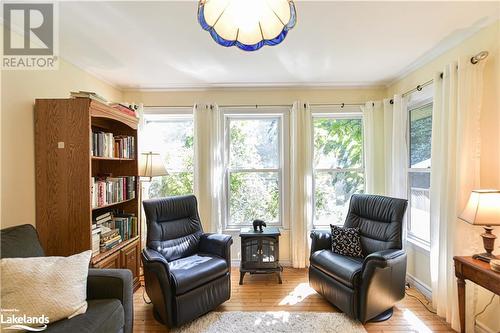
[(169, 106), (254, 106), (473, 60), (336, 104)]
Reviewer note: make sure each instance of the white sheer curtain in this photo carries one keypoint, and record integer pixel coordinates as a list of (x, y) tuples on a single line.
[(143, 187), (369, 146), (301, 182), (208, 165), (388, 110), (455, 172), (397, 160)]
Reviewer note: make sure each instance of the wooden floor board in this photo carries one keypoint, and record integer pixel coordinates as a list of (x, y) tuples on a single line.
[(263, 293)]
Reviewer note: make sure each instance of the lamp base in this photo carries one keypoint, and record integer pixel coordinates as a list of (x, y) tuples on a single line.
[(486, 257)]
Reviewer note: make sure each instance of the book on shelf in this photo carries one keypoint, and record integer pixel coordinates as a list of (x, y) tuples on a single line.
[(105, 144), (109, 190), (113, 228), (96, 243), (89, 94)]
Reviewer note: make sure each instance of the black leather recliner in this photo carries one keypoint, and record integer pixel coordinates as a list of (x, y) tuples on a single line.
[(186, 271), (364, 288)]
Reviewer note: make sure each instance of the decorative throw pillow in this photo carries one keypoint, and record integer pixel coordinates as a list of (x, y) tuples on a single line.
[(54, 287), (346, 241)]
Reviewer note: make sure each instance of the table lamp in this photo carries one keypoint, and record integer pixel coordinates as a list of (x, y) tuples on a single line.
[(483, 208), (151, 165)]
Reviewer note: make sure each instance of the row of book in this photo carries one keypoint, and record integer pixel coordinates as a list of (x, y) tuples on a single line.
[(106, 191), (107, 145), (110, 229)]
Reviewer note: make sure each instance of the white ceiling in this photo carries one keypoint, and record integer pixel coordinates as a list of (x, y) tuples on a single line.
[(160, 44)]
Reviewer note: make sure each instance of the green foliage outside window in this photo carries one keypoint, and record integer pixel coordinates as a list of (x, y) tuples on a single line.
[(338, 145)]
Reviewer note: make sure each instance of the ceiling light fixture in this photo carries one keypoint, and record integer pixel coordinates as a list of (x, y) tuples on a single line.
[(247, 24)]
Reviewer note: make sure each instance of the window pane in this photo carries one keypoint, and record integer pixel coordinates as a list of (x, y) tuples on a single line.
[(419, 223), (333, 191), (338, 143), (173, 139), (254, 143), (420, 137), (253, 195), (179, 183)]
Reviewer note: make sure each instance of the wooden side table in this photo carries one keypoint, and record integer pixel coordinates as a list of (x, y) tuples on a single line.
[(260, 252), (478, 272)]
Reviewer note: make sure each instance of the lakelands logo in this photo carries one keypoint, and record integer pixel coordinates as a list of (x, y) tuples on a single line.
[(10, 319), (29, 36)]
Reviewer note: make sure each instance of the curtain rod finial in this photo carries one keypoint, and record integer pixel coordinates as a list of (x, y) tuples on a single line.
[(478, 57)]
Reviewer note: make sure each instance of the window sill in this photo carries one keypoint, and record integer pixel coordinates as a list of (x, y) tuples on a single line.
[(418, 243)]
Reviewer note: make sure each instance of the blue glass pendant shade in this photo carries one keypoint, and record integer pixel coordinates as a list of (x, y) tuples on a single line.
[(247, 47)]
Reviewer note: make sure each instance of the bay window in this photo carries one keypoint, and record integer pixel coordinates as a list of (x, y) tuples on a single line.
[(419, 171), (254, 168), (338, 168), (170, 133)]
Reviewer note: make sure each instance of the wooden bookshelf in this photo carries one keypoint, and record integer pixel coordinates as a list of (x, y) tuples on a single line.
[(112, 204), (64, 170), (111, 158)]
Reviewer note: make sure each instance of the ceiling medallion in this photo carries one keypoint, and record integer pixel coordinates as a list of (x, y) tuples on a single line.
[(247, 24)]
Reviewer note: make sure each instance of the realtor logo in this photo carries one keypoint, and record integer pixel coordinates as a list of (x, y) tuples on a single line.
[(29, 36)]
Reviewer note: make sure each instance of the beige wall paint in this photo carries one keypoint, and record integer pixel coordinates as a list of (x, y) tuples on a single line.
[(486, 39), (19, 91), (254, 96)]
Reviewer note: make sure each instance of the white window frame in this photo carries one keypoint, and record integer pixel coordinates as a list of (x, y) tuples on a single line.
[(353, 112), (282, 115), (411, 237), (167, 114)]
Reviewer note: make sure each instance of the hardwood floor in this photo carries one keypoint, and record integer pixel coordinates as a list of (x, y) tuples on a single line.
[(263, 293)]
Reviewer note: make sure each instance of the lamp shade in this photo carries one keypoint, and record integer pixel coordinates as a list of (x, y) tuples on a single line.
[(151, 165), (247, 24), (483, 208)]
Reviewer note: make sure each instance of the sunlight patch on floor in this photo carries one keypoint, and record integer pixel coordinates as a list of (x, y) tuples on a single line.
[(416, 323), (301, 292)]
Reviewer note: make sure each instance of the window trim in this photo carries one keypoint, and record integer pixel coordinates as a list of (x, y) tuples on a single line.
[(410, 236), (282, 114), (337, 113)]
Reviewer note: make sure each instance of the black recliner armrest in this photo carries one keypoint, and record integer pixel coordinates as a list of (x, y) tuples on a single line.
[(113, 283), (157, 281), (321, 240), (381, 259), (217, 244), (383, 273)]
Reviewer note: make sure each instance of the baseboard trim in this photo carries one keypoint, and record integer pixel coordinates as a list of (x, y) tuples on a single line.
[(419, 285), (482, 328)]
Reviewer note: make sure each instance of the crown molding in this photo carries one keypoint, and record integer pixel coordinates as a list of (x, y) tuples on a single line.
[(260, 86)]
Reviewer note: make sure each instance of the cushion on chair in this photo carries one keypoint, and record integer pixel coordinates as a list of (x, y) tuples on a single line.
[(346, 241), (102, 316), (196, 270), (346, 270)]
